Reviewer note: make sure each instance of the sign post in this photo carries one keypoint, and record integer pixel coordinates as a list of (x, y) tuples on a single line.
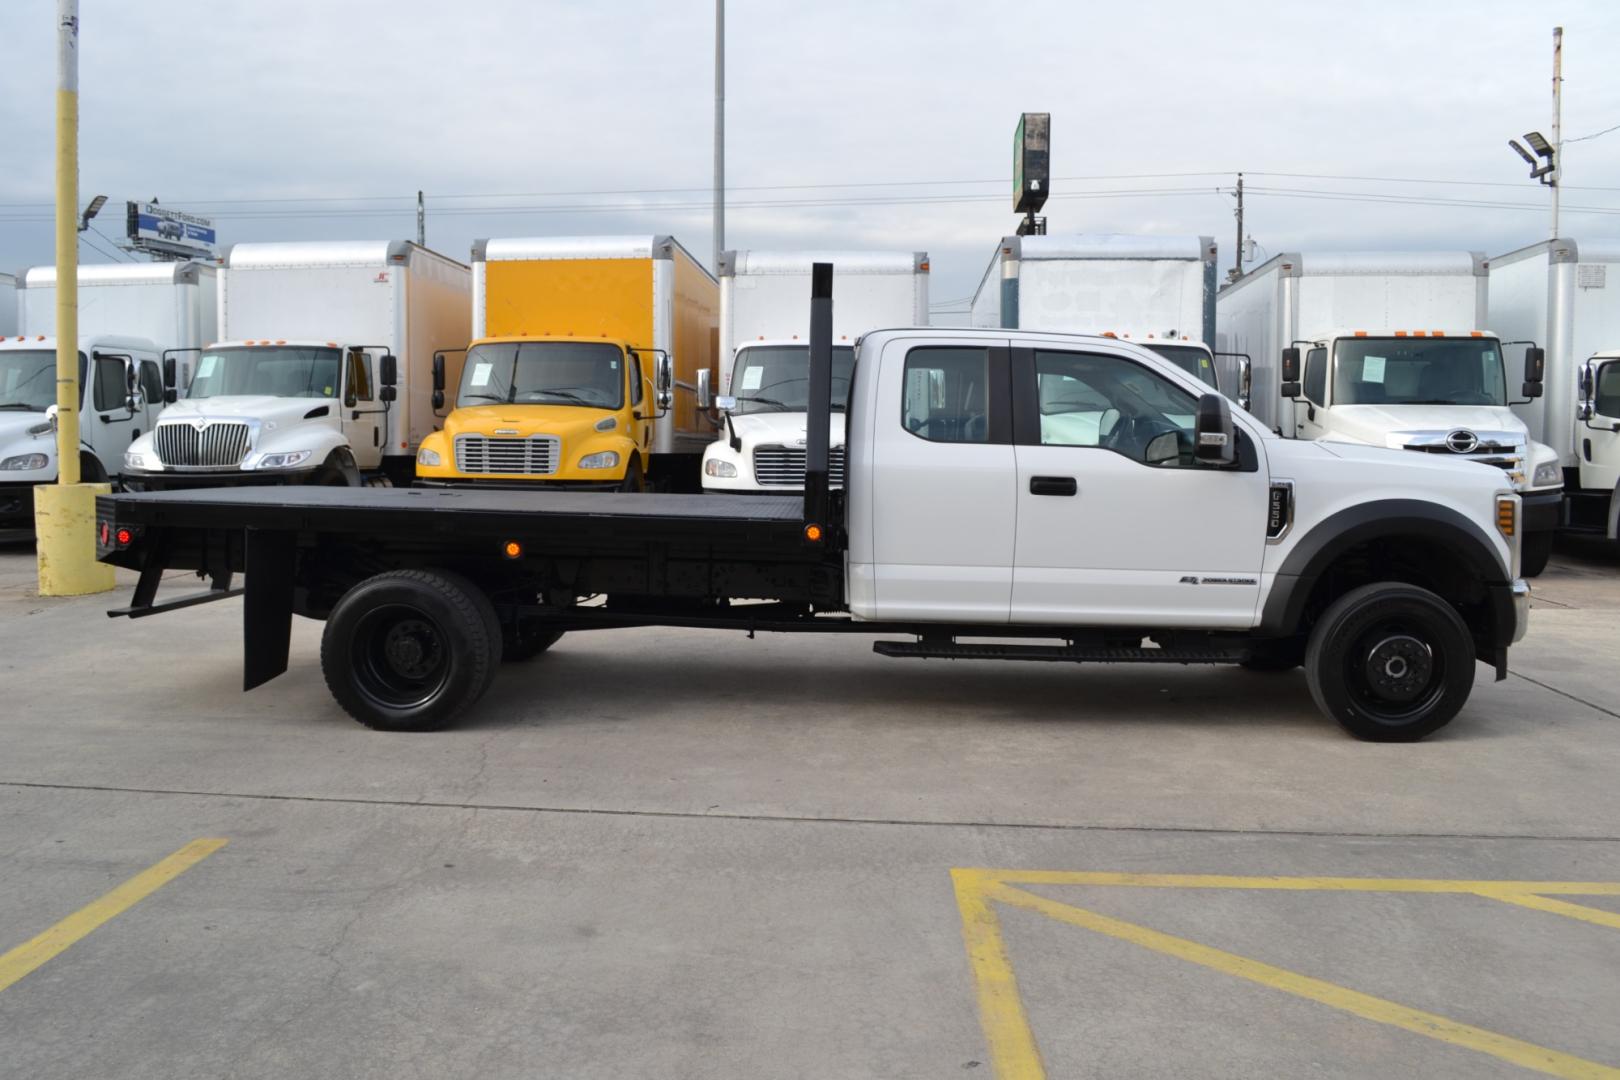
[(1031, 170)]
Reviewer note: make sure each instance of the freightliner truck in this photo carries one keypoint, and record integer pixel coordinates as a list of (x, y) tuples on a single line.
[(132, 318), (1559, 292), (1158, 291), (1391, 349), (1068, 498), (322, 374), (588, 358), (765, 359)]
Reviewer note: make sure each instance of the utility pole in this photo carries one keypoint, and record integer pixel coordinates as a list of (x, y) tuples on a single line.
[(719, 131), (65, 512), (1557, 124), (421, 222), (1237, 269)]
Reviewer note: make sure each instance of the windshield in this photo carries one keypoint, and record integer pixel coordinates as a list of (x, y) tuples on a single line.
[(1418, 371), (28, 379), (1193, 359), (544, 373), (776, 378), (288, 371)]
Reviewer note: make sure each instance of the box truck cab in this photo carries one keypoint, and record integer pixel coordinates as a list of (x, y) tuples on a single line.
[(121, 396), (579, 412), (1598, 473), (765, 357), (600, 345), (1389, 349), (324, 373)]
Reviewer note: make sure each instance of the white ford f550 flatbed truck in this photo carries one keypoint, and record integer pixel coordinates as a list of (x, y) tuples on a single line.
[(1071, 498)]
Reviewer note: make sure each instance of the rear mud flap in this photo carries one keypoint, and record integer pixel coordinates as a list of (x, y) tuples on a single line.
[(267, 607)]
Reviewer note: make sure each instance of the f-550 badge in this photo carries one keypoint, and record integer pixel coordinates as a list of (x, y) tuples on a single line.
[(1193, 579)]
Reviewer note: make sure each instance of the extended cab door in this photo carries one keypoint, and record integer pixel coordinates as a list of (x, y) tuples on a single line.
[(109, 425), (1598, 440), (944, 504), (364, 419), (1117, 525)]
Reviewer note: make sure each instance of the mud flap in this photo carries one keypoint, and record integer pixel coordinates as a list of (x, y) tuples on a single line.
[(267, 605)]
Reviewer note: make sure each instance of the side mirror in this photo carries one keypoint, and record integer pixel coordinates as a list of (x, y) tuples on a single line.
[(1535, 368), (1585, 408), (168, 373), (705, 388), (1163, 448), (438, 381), (132, 386), (388, 369), (50, 415), (665, 382), (1214, 439), (1290, 372), (1245, 383)]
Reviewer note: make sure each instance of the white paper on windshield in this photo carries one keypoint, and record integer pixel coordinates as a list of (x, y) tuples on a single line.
[(752, 377), (205, 368), (1372, 369), (480, 376)]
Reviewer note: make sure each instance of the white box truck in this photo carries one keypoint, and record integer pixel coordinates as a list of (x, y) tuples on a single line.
[(131, 317), (1158, 291), (323, 370), (1389, 349), (1557, 294), (8, 306), (765, 357)]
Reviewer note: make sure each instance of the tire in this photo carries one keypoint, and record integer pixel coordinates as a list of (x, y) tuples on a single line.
[(410, 650), (516, 649), (1285, 654), (1390, 662), (1535, 553), (633, 478)]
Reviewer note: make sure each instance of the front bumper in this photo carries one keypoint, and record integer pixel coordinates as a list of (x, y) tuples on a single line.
[(525, 485), (1542, 510), (190, 481), (16, 511)]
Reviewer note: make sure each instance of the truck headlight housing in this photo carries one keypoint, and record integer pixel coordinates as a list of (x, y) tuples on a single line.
[(605, 459), (24, 463), (1548, 474), (284, 461), (428, 456), (134, 461), (725, 470)]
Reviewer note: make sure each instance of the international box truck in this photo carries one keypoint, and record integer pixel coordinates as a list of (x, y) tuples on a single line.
[(132, 318), (1158, 291), (1011, 495), (1390, 349), (765, 357), (587, 359), (322, 373), (1557, 293)]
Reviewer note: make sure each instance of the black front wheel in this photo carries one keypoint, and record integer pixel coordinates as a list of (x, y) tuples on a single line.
[(410, 650), (1537, 552), (1390, 662)]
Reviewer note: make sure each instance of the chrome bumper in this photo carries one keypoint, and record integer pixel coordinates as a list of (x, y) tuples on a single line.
[(1521, 609)]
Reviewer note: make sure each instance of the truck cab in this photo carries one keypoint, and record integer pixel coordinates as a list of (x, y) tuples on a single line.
[(122, 396), (299, 412), (1429, 391), (762, 443), (1597, 505), (564, 411)]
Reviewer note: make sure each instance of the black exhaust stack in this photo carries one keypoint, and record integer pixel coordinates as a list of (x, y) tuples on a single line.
[(819, 414)]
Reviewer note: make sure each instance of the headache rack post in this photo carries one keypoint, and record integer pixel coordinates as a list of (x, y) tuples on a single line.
[(819, 411)]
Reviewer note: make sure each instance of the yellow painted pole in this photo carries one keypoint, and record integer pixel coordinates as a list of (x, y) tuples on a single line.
[(65, 512)]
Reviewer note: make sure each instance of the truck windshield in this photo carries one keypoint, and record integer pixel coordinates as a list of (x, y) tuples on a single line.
[(1192, 359), (289, 371), (544, 373), (776, 378), (1418, 371), (28, 379)]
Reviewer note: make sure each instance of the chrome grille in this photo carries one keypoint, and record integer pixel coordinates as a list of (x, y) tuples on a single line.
[(219, 445), (1502, 455), (535, 456), (783, 466)]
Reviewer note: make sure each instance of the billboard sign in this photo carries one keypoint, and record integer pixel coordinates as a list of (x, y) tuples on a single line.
[(1031, 157), (157, 228)]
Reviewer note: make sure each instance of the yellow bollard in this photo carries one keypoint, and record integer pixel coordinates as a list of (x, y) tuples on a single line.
[(65, 527)]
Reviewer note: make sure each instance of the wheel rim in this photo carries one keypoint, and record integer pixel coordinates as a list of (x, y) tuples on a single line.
[(1394, 672), (401, 657)]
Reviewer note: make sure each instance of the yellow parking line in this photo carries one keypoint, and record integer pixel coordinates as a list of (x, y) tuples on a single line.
[(1301, 884), (1593, 915), (1013, 1054), (32, 953)]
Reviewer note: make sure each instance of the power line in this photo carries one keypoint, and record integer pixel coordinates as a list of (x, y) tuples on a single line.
[(114, 243), (93, 246), (1594, 134)]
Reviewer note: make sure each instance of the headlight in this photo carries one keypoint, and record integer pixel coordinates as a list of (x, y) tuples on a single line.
[(284, 461), (134, 461), (1550, 473), (606, 459), (427, 456), (25, 463), (723, 469)]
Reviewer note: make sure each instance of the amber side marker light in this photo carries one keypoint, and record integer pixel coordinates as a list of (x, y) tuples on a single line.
[(1506, 517), (512, 549), (813, 533)]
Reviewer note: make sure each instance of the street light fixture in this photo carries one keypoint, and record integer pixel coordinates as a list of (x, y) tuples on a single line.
[(1539, 170), (91, 211)]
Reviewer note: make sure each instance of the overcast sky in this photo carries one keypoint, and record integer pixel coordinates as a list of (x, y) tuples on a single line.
[(563, 106)]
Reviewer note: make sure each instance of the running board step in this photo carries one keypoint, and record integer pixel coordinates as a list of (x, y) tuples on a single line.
[(1084, 654)]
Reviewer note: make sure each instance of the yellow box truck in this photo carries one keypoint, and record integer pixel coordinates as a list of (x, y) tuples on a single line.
[(585, 366)]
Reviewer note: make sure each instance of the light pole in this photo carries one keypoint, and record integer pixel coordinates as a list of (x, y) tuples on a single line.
[(719, 131)]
